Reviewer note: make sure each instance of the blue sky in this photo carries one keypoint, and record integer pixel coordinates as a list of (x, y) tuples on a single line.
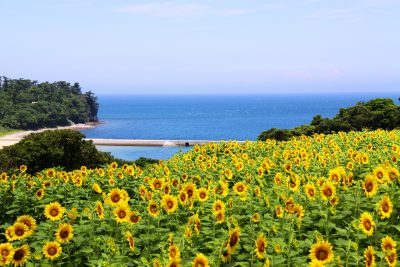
[(210, 46)]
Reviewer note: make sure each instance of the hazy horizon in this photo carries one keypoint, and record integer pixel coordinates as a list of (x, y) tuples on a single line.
[(205, 47)]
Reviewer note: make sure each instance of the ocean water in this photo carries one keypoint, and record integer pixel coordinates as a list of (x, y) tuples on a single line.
[(216, 117)]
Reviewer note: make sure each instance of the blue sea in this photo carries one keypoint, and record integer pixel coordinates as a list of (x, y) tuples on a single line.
[(210, 117)]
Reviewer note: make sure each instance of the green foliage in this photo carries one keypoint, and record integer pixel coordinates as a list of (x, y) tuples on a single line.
[(26, 104), (142, 162), (6, 131), (380, 113), (64, 148)]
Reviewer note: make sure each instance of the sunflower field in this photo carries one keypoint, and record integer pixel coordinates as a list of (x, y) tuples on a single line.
[(326, 200)]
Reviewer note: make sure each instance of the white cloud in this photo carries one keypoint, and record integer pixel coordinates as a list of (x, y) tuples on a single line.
[(165, 9)]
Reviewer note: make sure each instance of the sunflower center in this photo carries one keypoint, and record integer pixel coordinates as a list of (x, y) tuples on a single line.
[(52, 251), (219, 216), (261, 246), (328, 192), (115, 198), (200, 264), (240, 188), (203, 195), (367, 225), (219, 190), (311, 192), (18, 255), (54, 212), (218, 207), (189, 192), (293, 185), (157, 184), (369, 259), (388, 246), (322, 255), (379, 175), (153, 209), (233, 240), (134, 218), (64, 233), (19, 232), (5, 252), (369, 186), (385, 206), (121, 214), (27, 223), (170, 204), (391, 258)]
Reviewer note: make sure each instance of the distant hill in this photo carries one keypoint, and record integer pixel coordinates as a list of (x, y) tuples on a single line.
[(379, 113), (27, 104)]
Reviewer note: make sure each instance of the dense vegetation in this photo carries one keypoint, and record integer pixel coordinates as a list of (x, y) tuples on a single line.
[(326, 200), (27, 104), (63, 148), (380, 113)]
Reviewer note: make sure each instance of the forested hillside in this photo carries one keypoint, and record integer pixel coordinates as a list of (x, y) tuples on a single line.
[(27, 104)]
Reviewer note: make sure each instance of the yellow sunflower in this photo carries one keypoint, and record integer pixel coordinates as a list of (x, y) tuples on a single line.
[(310, 191), (121, 213), (6, 253), (39, 194), (64, 233), (369, 256), (28, 221), (380, 174), (99, 210), (183, 197), (218, 205), (131, 241), (367, 223), (19, 231), (54, 211), (117, 196), (200, 261), (134, 217), (261, 246), (240, 189), (174, 252), (170, 203), (393, 173), (225, 256), (191, 190), (153, 209), (157, 184), (233, 239), (202, 194), (388, 244), (321, 251), (220, 216), (391, 258), (174, 263), (385, 207), (279, 211), (96, 187), (52, 250), (221, 189), (370, 186), (21, 255), (328, 190)]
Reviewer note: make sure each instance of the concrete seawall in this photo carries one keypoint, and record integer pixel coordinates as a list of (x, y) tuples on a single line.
[(140, 142)]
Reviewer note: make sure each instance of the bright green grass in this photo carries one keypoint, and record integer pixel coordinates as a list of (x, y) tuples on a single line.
[(5, 131)]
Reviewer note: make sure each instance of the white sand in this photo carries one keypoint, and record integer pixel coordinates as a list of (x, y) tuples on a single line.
[(14, 138)]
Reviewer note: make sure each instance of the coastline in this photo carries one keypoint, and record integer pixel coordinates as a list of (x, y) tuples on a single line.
[(14, 138)]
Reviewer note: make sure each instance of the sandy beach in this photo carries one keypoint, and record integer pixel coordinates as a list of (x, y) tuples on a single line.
[(14, 138)]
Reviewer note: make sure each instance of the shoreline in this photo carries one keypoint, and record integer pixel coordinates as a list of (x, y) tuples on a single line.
[(11, 139)]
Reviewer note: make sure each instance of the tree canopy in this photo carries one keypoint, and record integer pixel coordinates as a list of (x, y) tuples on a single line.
[(27, 104), (379, 113)]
